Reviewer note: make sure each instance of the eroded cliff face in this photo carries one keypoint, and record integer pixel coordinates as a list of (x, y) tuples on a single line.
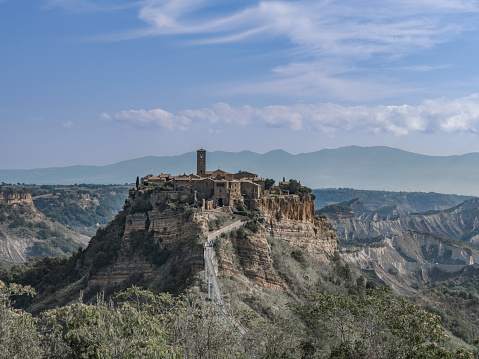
[(286, 218), (174, 228), (411, 257), (460, 222), (26, 232), (293, 219), (11, 197), (403, 249), (250, 258), (160, 233)]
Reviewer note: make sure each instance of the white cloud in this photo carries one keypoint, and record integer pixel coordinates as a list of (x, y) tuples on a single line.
[(149, 118), (439, 115), (68, 124)]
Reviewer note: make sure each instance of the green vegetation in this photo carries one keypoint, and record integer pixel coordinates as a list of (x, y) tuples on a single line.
[(295, 187), (375, 325), (19, 336), (83, 207), (135, 324), (334, 209), (268, 183), (458, 309), (51, 241), (240, 208), (218, 222), (332, 312)]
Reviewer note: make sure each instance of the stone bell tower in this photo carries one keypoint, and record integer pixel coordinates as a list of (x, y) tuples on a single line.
[(201, 162)]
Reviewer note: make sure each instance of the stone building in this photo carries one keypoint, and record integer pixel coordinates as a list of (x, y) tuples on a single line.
[(215, 188)]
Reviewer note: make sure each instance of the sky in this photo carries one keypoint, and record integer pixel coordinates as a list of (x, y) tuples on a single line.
[(96, 82)]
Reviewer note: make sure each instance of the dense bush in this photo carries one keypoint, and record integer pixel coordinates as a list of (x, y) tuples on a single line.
[(136, 324)]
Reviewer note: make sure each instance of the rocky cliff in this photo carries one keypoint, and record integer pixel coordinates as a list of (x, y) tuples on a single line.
[(293, 219), (412, 259), (26, 232), (159, 233), (170, 223), (12, 197), (290, 219), (460, 222), (157, 242), (408, 251)]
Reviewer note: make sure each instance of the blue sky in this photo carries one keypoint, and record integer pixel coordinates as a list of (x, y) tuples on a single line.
[(97, 82)]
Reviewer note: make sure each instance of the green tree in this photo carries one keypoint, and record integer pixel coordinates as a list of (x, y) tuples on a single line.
[(137, 182), (106, 330), (376, 325), (294, 187), (268, 183), (18, 335)]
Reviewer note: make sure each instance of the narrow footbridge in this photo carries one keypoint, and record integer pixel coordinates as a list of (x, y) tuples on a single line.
[(214, 291)]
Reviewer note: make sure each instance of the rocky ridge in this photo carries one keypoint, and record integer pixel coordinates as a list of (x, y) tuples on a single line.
[(167, 227), (460, 222), (408, 251), (411, 258), (26, 232), (157, 242)]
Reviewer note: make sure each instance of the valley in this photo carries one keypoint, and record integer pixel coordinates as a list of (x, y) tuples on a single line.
[(284, 259), (38, 221)]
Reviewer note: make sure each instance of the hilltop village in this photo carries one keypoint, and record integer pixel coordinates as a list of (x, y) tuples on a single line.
[(216, 189)]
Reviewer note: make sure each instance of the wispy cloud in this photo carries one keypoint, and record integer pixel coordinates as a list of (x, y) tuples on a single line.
[(330, 38), (322, 27), (149, 119), (68, 124), (438, 115), (424, 68)]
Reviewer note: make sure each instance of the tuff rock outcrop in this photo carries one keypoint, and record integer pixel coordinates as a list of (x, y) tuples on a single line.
[(409, 250), (460, 222), (26, 232), (179, 230), (290, 218)]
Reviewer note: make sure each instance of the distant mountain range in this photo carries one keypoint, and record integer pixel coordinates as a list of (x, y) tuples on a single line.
[(376, 168)]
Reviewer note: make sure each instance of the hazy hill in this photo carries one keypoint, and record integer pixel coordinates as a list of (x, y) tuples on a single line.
[(378, 168), (409, 202)]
